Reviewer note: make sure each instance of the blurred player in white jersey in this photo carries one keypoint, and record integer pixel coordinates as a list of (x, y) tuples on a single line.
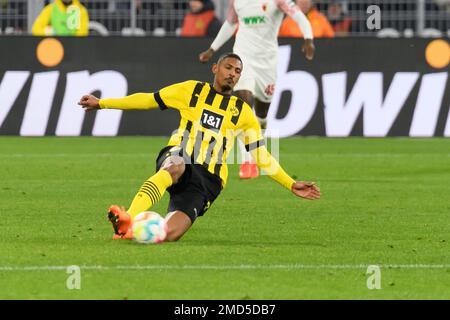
[(257, 44)]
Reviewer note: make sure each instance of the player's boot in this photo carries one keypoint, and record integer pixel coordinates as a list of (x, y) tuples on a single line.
[(126, 236), (248, 170), (121, 222)]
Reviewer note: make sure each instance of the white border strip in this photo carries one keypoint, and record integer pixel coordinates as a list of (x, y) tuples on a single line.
[(227, 267)]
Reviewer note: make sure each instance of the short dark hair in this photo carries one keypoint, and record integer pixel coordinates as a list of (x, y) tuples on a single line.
[(229, 55)]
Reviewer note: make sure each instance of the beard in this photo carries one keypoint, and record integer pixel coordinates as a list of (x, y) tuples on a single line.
[(226, 87)]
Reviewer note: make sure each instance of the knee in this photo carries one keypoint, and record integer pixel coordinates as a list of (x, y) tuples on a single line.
[(261, 109), (175, 166)]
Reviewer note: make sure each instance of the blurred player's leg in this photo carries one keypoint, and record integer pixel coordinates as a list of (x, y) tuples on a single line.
[(261, 110), (248, 168), (264, 90)]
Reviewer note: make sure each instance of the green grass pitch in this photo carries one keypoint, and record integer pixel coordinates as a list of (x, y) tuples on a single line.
[(385, 202)]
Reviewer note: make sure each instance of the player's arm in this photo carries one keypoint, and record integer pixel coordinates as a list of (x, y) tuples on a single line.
[(137, 101), (225, 33), (292, 10), (175, 96), (265, 161), (254, 143)]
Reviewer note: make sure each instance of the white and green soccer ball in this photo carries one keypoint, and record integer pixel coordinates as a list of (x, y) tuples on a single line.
[(149, 227)]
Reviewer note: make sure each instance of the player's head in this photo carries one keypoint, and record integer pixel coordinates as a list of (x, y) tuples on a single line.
[(196, 5), (67, 2), (305, 5), (336, 10), (227, 71)]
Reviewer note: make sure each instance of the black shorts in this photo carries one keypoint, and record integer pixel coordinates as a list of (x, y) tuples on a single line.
[(196, 189)]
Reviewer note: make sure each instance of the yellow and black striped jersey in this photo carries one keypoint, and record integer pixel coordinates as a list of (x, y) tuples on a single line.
[(210, 122)]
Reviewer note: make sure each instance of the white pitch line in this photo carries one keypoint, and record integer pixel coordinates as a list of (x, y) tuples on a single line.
[(227, 267), (91, 155), (308, 154)]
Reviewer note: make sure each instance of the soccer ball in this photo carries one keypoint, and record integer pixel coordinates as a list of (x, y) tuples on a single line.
[(149, 227)]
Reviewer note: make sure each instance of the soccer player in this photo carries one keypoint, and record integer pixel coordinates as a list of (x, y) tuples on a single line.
[(257, 44), (192, 167)]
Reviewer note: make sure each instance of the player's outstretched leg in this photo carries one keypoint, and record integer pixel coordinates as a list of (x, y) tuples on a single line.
[(151, 192), (121, 222), (248, 168), (148, 195), (261, 111)]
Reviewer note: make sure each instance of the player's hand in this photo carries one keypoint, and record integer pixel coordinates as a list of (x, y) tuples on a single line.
[(309, 49), (89, 102), (306, 190), (205, 56)]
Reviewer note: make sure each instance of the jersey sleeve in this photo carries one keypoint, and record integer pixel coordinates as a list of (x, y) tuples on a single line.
[(42, 21), (137, 101), (287, 6), (293, 11), (228, 28), (254, 143), (232, 16), (175, 96)]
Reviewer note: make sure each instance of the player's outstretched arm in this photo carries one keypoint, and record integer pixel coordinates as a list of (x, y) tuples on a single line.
[(254, 143), (303, 189), (205, 56), (309, 49), (137, 101), (306, 190), (175, 96), (89, 102)]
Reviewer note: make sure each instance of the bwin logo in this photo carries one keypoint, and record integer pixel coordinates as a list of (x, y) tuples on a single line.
[(341, 110), (374, 19), (40, 101)]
